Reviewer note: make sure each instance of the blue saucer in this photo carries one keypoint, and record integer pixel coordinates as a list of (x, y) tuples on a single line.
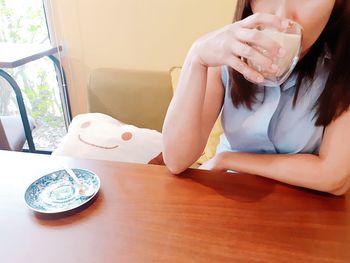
[(57, 192)]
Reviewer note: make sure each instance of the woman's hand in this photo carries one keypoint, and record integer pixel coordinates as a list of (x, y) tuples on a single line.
[(229, 44), (215, 163)]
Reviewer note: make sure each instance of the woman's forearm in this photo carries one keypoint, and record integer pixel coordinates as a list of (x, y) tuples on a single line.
[(305, 170), (182, 135)]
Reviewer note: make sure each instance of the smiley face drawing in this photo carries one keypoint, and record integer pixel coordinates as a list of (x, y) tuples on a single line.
[(99, 136), (125, 136)]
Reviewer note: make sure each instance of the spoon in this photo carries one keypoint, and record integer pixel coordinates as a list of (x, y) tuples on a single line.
[(82, 189)]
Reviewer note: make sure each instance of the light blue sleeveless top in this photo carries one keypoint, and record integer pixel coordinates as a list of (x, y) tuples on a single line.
[(273, 125)]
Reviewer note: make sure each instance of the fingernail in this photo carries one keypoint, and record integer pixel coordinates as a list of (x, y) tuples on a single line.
[(282, 52), (274, 67), (259, 79)]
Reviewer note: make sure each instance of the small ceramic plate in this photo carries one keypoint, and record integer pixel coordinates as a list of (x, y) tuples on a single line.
[(57, 192)]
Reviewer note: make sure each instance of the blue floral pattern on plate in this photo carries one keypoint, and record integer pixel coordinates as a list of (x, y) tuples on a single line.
[(57, 192)]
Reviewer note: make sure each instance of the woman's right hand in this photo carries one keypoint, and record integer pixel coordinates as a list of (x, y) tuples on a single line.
[(226, 46)]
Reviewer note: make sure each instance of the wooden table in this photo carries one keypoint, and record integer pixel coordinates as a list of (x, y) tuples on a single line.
[(145, 214)]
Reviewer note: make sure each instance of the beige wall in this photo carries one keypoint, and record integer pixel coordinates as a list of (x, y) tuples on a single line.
[(133, 34)]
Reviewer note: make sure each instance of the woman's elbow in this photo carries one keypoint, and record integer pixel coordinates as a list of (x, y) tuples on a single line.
[(176, 164), (338, 185), (175, 167), (178, 160)]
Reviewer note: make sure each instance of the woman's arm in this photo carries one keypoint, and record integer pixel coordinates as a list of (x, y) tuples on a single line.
[(191, 114), (199, 95), (328, 172)]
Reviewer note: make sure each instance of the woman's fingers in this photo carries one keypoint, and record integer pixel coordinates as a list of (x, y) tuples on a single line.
[(257, 38), (268, 20), (244, 69), (242, 39), (264, 63), (255, 45)]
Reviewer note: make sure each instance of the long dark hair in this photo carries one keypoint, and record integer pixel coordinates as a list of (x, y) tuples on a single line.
[(335, 98)]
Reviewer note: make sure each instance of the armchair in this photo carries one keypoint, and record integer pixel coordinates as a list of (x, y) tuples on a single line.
[(12, 135)]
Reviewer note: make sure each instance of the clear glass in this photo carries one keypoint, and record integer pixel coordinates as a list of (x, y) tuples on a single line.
[(290, 39)]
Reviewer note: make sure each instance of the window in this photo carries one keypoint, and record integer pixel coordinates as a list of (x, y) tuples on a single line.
[(24, 21)]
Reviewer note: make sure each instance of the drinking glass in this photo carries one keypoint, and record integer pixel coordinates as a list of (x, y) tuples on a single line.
[(290, 39)]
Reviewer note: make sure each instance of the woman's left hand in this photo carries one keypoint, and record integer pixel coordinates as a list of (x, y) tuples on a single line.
[(214, 164)]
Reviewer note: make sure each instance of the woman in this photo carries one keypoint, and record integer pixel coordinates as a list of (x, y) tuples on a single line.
[(297, 133)]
